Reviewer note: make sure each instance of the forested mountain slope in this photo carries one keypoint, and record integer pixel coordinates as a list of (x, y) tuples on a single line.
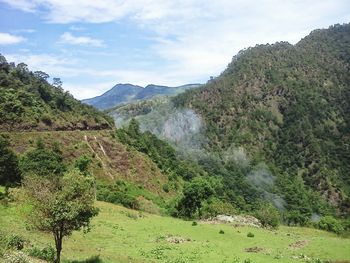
[(29, 102), (288, 106)]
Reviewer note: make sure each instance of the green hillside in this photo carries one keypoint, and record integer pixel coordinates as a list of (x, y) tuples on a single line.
[(29, 102), (122, 235), (115, 166), (287, 106), (273, 126), (268, 138)]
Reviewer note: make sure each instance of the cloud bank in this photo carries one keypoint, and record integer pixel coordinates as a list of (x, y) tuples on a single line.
[(190, 39)]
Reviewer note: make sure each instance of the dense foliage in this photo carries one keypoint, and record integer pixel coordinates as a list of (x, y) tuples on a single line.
[(287, 106), (160, 152), (194, 193), (29, 102), (9, 170), (43, 161), (329, 223)]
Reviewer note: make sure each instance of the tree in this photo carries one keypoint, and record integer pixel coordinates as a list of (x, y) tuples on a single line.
[(22, 67), (68, 206), (43, 161), (194, 194), (268, 215), (82, 164), (329, 223), (134, 128), (41, 75), (9, 171), (57, 83)]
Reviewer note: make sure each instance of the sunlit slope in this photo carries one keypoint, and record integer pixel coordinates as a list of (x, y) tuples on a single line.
[(111, 160), (122, 235)]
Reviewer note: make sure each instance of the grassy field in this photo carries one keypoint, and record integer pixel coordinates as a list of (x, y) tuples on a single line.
[(122, 235)]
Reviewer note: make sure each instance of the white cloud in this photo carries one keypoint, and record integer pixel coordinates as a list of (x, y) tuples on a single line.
[(24, 5), (193, 39), (55, 66), (25, 30), (8, 39), (199, 35), (85, 91), (68, 38), (76, 28)]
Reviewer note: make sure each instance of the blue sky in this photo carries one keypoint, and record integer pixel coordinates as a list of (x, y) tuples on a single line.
[(94, 44)]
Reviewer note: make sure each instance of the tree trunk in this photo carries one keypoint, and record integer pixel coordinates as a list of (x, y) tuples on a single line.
[(58, 243)]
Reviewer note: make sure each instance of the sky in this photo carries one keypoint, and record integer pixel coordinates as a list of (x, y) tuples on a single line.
[(94, 44)]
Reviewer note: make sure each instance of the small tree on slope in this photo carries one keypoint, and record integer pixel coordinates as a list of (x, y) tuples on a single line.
[(61, 205)]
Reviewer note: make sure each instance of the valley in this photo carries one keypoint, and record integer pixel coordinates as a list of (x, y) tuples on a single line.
[(146, 177)]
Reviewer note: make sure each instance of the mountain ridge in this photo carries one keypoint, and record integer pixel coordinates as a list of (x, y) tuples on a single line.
[(126, 93), (278, 111), (29, 102)]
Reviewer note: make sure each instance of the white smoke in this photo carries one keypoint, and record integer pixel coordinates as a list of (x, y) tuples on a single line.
[(262, 179)]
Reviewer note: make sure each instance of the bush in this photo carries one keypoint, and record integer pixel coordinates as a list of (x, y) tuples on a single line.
[(268, 216), (46, 119), (47, 253), (147, 205), (250, 234), (217, 207), (221, 231), (166, 188), (346, 224), (15, 242), (194, 223), (329, 223), (294, 217), (112, 194)]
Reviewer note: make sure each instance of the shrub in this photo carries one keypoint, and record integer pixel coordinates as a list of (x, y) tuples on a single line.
[(294, 217), (147, 205), (132, 215), (166, 188), (112, 194), (194, 223), (221, 231), (268, 216), (15, 242), (47, 253), (217, 207), (346, 224), (46, 119), (329, 223), (250, 234)]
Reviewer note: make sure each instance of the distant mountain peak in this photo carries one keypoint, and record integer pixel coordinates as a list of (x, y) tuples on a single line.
[(123, 93)]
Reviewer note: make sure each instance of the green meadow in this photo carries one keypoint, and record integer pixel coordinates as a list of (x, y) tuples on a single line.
[(123, 235)]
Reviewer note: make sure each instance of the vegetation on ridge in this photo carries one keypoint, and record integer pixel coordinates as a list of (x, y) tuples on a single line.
[(29, 102), (287, 106)]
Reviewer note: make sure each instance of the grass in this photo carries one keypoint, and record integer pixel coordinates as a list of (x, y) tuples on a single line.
[(122, 235), (117, 162)]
